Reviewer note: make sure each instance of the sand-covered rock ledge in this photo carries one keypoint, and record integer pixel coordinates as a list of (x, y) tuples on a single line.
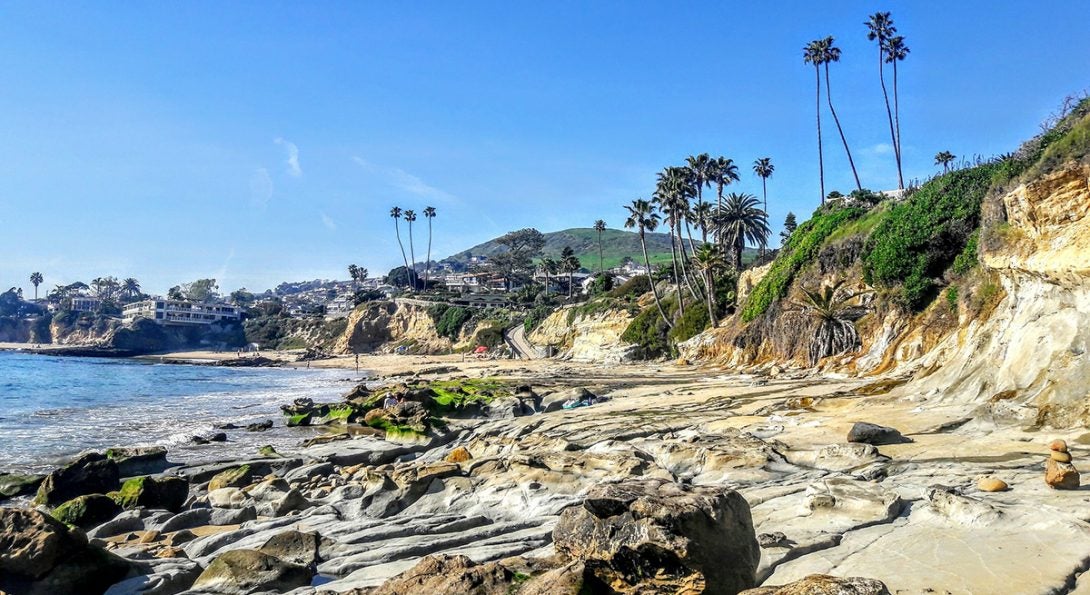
[(361, 508)]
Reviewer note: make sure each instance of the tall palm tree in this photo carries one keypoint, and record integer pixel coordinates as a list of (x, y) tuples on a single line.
[(396, 214), (36, 279), (354, 274), (831, 53), (723, 173), (429, 214), (410, 217), (763, 168), (130, 288), (880, 28), (742, 220), (709, 260), (548, 268), (896, 51), (813, 54), (672, 193), (642, 217), (700, 170), (600, 226), (569, 263), (944, 158)]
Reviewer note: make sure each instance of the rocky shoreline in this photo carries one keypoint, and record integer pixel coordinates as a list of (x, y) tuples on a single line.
[(667, 479)]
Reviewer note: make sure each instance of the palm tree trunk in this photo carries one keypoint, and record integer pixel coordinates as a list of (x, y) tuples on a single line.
[(889, 116), (821, 160), (709, 285), (651, 281), (686, 263), (719, 204), (412, 254), (405, 259), (692, 246), (427, 265), (897, 121), (677, 277), (829, 96), (601, 267), (764, 192)]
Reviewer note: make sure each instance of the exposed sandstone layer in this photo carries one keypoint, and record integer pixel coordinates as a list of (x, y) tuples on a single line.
[(586, 337)]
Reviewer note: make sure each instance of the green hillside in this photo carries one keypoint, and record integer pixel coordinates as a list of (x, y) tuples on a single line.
[(616, 245)]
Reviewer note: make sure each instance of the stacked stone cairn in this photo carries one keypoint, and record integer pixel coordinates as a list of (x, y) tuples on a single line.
[(1060, 474)]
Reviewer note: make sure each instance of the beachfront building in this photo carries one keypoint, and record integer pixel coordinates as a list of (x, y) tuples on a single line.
[(86, 304), (178, 312)]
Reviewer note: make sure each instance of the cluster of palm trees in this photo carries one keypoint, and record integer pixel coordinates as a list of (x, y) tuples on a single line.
[(397, 213), (357, 274), (820, 53), (568, 263), (108, 289), (725, 227)]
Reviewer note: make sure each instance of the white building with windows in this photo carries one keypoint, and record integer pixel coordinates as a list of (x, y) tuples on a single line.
[(86, 304), (179, 312)]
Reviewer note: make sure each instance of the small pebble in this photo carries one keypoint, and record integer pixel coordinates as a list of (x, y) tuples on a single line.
[(1058, 446)]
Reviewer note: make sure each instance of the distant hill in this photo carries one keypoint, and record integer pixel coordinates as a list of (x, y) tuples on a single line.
[(616, 245)]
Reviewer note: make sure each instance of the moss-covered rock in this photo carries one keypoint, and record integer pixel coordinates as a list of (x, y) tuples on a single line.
[(17, 484), (167, 493), (237, 477), (250, 571), (91, 473), (87, 511)]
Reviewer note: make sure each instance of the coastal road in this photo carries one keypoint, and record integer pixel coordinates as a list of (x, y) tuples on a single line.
[(516, 338)]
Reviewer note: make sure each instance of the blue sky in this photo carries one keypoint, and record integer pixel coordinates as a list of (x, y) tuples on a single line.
[(257, 142)]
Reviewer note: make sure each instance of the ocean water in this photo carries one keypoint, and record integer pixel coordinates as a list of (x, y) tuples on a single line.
[(52, 408)]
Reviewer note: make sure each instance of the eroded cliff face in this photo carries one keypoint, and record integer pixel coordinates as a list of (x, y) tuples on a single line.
[(1018, 351), (589, 338), (385, 326), (1028, 359)]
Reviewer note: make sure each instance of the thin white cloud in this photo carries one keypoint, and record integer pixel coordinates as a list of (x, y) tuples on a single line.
[(328, 221), (880, 149), (221, 275), (294, 169), (406, 181), (261, 187)]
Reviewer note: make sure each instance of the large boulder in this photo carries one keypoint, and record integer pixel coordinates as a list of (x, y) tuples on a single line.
[(656, 536), (87, 511), (92, 473), (168, 493), (39, 555), (295, 547), (17, 484), (239, 572), (555, 401), (139, 460), (823, 584), (450, 574), (868, 433)]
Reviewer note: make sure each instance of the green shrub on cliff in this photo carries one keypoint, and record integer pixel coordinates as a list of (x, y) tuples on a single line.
[(922, 236), (449, 319), (800, 250)]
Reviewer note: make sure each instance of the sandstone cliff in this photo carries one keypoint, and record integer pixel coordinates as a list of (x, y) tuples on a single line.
[(589, 337), (1010, 336)]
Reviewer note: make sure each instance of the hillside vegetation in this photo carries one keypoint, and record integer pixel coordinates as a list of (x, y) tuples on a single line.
[(616, 245)]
